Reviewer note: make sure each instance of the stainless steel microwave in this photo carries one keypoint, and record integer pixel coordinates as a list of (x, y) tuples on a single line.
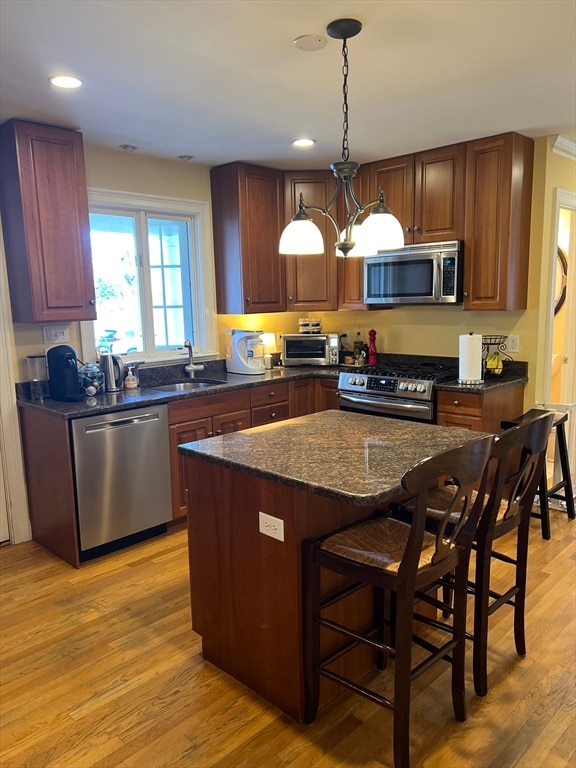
[(416, 274), (310, 349)]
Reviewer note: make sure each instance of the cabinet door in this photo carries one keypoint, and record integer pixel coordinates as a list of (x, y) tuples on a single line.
[(311, 281), (453, 419), (231, 422), (325, 395), (248, 216), (301, 397), (45, 220), (179, 434), (497, 222), (439, 194), (396, 177)]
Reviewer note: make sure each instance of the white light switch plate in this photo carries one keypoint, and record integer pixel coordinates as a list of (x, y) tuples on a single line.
[(55, 334), (271, 526)]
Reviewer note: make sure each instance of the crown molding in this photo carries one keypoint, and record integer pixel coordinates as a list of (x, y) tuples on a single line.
[(565, 148)]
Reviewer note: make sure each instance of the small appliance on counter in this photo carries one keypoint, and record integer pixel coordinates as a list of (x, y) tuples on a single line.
[(114, 372), (64, 381), (313, 349), (245, 352)]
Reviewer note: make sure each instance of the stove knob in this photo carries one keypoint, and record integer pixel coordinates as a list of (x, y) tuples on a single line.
[(402, 385), (353, 380), (361, 382), (421, 388), (411, 387)]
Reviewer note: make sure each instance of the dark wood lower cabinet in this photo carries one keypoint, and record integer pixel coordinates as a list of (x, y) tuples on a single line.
[(326, 394), (196, 419)]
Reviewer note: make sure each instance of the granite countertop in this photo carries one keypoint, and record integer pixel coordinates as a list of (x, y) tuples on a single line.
[(351, 457), (146, 395)]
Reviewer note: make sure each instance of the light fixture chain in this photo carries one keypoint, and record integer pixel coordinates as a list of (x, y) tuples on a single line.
[(345, 149)]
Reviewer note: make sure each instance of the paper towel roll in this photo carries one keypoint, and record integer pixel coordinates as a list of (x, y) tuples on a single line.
[(470, 359)]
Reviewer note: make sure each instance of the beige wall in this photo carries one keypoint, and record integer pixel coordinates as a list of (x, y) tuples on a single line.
[(415, 330)]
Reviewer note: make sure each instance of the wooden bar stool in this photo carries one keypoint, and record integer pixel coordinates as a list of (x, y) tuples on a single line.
[(565, 484), (400, 561)]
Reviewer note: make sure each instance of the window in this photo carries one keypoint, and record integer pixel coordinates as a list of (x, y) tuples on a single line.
[(154, 277)]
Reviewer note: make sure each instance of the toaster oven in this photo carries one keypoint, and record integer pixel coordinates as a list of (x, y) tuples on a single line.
[(310, 349)]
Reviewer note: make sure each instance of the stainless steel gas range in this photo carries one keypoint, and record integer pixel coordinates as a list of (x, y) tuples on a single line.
[(403, 392)]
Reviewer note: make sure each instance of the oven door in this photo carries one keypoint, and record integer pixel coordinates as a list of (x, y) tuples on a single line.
[(394, 408)]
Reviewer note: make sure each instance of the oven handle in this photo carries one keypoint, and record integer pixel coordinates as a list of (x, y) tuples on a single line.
[(377, 404)]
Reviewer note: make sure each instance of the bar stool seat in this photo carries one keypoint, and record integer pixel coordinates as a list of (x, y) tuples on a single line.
[(565, 484)]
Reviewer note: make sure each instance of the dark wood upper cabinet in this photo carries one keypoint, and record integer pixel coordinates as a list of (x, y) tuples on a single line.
[(44, 204), (425, 192), (248, 217), (498, 207), (311, 280)]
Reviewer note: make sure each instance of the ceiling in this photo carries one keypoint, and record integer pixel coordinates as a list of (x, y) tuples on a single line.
[(222, 80)]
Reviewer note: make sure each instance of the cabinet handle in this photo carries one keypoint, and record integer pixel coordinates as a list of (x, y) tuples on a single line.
[(218, 431), (248, 299), (465, 293), (273, 415), (92, 302), (210, 434), (456, 403), (407, 229), (416, 228), (290, 298), (271, 393)]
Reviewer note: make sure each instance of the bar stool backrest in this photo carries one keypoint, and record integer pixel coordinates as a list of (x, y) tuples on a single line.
[(464, 467), (513, 491)]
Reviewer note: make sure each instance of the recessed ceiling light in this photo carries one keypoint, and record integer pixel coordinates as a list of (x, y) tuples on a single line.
[(304, 143), (128, 147), (65, 81), (186, 158)]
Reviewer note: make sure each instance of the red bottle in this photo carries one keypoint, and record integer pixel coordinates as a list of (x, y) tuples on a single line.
[(372, 351)]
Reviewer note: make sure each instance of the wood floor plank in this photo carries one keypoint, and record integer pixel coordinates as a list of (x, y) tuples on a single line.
[(99, 668)]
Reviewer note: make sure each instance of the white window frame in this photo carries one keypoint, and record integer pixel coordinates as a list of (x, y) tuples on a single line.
[(203, 289)]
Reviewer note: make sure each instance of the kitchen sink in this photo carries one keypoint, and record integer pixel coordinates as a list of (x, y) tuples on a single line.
[(185, 386)]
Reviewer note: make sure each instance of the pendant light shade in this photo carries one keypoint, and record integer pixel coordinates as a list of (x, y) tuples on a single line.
[(301, 237), (381, 230)]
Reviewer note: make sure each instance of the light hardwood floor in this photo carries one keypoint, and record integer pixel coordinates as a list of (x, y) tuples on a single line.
[(100, 669)]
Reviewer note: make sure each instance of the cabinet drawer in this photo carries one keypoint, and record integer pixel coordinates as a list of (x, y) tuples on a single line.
[(271, 393), (208, 405), (266, 414), (468, 403)]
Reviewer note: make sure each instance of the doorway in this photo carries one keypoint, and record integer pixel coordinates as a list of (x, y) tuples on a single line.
[(561, 377)]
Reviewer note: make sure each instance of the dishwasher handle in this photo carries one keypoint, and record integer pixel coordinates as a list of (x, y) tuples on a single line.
[(128, 421)]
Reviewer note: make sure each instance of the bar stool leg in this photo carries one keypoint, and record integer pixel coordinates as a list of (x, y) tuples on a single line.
[(564, 464), (544, 506)]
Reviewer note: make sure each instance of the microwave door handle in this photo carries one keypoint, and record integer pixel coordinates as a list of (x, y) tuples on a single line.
[(437, 278)]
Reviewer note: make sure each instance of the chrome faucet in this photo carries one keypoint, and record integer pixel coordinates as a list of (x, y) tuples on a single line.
[(192, 366)]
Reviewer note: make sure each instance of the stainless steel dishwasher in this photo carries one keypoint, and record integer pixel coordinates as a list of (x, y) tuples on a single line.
[(122, 467)]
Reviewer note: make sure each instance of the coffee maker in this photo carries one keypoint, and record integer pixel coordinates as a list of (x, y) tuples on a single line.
[(64, 382), (245, 352)]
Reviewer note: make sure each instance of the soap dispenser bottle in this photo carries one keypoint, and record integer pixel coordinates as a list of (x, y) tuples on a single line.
[(130, 381)]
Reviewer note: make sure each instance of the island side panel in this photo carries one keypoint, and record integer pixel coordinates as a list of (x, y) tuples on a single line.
[(246, 587)]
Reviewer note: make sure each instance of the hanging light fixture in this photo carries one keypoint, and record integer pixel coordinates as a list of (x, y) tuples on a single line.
[(381, 230)]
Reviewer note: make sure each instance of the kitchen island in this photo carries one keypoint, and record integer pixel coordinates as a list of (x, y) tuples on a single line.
[(311, 475)]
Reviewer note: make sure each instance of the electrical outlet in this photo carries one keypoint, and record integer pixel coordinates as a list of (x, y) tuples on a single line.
[(271, 526), (55, 334), (513, 344)]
